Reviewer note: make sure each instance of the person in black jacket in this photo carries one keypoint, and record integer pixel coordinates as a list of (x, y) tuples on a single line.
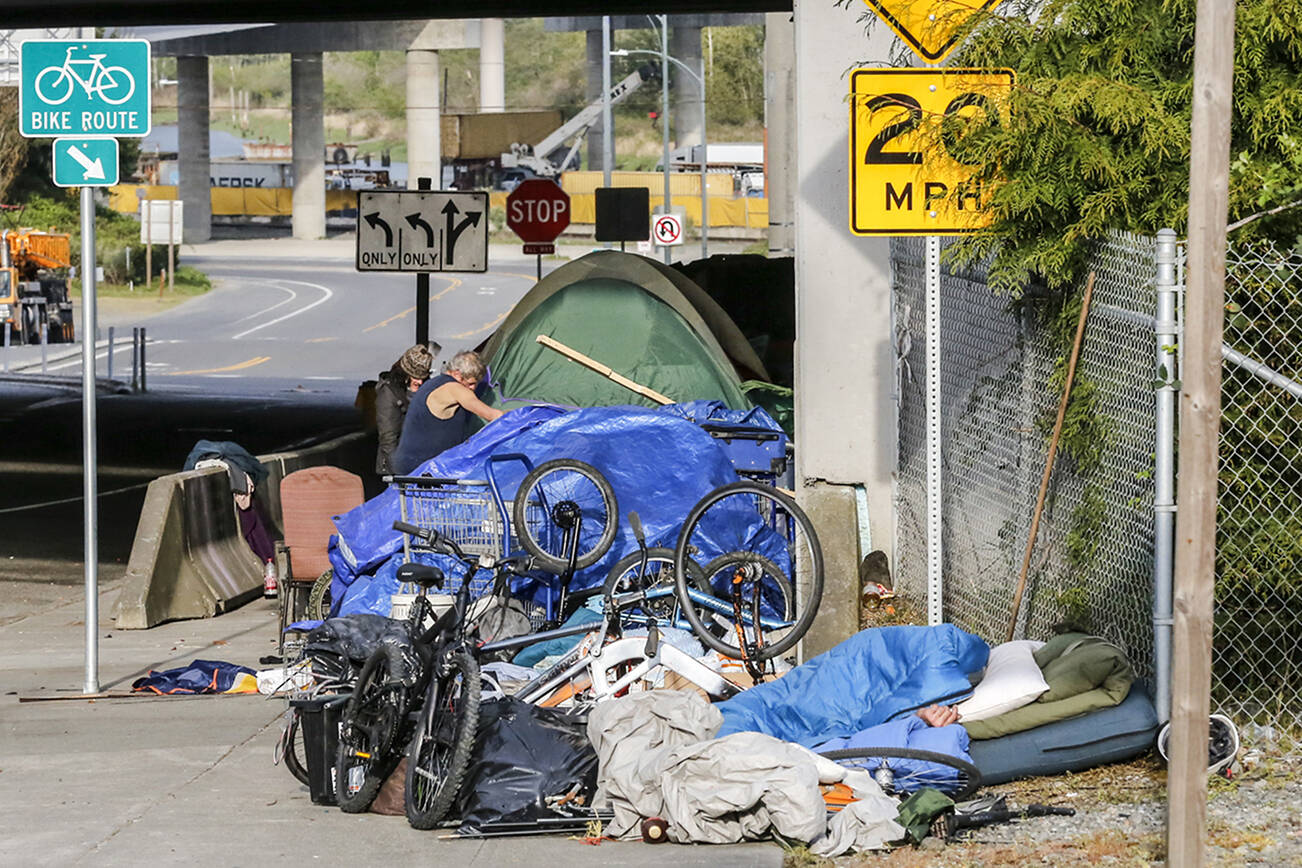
[(393, 392)]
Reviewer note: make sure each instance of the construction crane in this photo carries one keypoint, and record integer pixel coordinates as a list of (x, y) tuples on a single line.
[(538, 158)]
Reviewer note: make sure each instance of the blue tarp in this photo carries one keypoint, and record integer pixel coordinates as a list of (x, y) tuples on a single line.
[(658, 463), (874, 676), (201, 676)]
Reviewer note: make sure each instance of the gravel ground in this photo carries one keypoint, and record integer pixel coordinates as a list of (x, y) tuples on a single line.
[(1256, 819)]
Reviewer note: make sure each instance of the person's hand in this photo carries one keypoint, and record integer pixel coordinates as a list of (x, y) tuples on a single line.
[(938, 715)]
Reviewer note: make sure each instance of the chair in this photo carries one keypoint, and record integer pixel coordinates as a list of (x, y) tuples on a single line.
[(309, 499)]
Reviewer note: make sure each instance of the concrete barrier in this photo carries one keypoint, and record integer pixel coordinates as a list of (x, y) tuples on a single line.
[(189, 559)]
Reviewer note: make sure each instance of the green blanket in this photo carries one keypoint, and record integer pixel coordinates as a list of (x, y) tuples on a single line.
[(1084, 673)]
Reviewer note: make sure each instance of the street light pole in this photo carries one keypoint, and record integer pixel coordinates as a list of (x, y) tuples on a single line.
[(664, 113), (705, 158)]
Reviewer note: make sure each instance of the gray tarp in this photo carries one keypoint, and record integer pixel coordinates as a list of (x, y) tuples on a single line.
[(658, 759)]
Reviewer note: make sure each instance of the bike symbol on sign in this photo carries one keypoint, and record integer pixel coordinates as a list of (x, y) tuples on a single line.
[(113, 84)]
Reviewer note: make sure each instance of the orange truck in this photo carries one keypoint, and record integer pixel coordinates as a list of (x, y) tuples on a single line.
[(34, 286)]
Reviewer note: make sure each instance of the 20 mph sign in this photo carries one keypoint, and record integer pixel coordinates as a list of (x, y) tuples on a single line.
[(538, 211)]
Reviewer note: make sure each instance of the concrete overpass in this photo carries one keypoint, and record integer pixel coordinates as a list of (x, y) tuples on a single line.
[(845, 355)]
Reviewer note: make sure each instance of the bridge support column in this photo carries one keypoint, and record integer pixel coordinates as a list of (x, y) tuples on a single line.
[(596, 161), (194, 186), (424, 146), (307, 94), (492, 65), (779, 135), (845, 413), (685, 45)]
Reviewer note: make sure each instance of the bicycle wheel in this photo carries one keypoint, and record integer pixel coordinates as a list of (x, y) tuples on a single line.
[(440, 750), (904, 770), (557, 499), (318, 600), (659, 576), (56, 91), (759, 536), (367, 730), (115, 85), (293, 749)]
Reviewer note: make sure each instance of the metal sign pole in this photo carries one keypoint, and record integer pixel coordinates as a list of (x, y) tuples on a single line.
[(935, 504), (89, 468), (422, 289)]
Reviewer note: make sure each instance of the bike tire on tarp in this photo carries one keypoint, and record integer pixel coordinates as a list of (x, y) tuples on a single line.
[(525, 755)]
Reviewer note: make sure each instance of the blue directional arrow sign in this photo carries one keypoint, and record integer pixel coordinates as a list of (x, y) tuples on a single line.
[(85, 162), (84, 87)]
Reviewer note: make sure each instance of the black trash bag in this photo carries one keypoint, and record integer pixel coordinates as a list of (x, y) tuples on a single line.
[(529, 764)]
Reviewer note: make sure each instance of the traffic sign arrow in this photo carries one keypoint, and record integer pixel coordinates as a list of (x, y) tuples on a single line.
[(454, 232), (418, 222), (375, 220), (94, 168)]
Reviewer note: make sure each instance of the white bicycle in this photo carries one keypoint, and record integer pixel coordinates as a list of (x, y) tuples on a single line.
[(113, 84)]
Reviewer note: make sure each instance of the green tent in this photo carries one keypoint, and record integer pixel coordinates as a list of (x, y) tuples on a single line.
[(639, 317)]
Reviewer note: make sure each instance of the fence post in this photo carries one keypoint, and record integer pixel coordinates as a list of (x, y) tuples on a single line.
[(1164, 470), (135, 359), (144, 341), (45, 327), (6, 357), (110, 353)]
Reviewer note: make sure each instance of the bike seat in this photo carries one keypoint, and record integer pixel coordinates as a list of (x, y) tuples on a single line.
[(421, 574), (97, 56)]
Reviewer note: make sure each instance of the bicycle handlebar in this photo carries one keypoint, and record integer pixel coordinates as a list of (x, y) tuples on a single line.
[(635, 521), (432, 538)]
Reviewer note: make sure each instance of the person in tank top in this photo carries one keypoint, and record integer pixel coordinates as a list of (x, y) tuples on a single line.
[(439, 416)]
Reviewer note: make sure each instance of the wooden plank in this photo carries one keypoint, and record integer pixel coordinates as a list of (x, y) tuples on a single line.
[(605, 370), (1200, 417)]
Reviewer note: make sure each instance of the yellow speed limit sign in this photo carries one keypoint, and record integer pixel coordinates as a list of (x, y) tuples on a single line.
[(903, 124)]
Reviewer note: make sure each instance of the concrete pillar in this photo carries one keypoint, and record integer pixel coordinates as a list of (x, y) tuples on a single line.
[(194, 186), (307, 95), (685, 46), (595, 160), (779, 134), (492, 65), (424, 145), (845, 414)]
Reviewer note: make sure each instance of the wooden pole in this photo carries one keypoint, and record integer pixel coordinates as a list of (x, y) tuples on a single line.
[(604, 370), (1200, 417), (1053, 452)]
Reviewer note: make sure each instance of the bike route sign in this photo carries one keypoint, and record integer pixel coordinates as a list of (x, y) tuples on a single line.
[(84, 87), (416, 230)]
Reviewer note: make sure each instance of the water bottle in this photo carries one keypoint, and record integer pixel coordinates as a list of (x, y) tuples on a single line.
[(269, 588)]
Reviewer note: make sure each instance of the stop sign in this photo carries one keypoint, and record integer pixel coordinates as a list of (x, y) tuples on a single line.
[(538, 210)]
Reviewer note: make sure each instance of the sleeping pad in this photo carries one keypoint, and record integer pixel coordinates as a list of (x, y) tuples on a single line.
[(874, 676)]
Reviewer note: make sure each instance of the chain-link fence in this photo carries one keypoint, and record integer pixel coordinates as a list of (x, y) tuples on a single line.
[(1003, 365), (1257, 671)]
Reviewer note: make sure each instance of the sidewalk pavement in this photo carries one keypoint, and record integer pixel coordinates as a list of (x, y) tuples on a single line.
[(189, 780)]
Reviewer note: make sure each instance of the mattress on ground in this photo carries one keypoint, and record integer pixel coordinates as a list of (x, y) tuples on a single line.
[(1105, 736)]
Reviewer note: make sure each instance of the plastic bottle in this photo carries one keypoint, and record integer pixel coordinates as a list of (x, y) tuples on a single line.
[(269, 584)]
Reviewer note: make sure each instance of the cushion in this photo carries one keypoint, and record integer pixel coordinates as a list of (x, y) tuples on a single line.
[(1012, 680), (1106, 736), (1085, 663)]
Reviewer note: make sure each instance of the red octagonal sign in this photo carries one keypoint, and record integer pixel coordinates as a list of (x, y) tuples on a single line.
[(538, 210)]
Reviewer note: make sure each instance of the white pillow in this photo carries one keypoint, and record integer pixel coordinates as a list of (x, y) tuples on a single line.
[(1012, 680)]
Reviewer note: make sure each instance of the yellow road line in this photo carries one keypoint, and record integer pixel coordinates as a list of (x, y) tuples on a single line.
[(483, 328), (453, 283), (248, 363)]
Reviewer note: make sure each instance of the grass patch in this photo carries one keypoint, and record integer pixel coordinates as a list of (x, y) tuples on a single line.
[(189, 282)]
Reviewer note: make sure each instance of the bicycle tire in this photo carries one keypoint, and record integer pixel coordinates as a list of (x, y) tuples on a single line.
[(109, 72), (293, 748), (368, 728), (439, 754), (782, 599), (660, 571), (318, 599), (733, 530), (60, 75), (954, 776), (548, 489)]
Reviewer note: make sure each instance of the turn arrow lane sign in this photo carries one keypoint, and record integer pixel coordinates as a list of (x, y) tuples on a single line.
[(413, 230)]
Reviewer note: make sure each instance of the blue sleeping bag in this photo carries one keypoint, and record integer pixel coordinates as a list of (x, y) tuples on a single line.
[(910, 732), (874, 676)]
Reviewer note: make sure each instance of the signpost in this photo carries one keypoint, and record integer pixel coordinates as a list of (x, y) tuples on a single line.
[(538, 211), (86, 90), (85, 162), (901, 186)]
